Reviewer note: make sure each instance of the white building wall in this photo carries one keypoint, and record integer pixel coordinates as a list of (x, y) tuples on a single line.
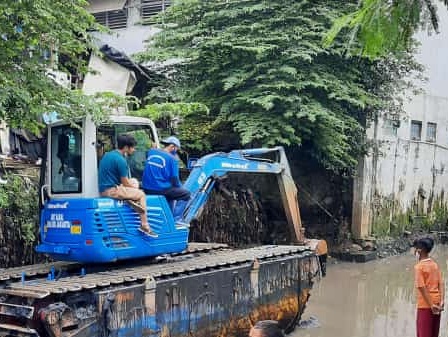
[(406, 176), (132, 39)]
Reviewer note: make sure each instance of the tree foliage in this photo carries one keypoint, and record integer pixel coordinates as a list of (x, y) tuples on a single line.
[(262, 70), (190, 120), (19, 213), (383, 26), (30, 29)]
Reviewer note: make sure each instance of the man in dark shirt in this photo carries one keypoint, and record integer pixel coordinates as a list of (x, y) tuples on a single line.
[(114, 180), (161, 173)]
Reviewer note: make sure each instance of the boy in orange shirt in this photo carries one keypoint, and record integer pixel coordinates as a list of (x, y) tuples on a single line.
[(430, 290)]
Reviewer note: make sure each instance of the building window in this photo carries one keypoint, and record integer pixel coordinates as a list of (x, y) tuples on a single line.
[(390, 127), (149, 8), (431, 131), (117, 19), (416, 130)]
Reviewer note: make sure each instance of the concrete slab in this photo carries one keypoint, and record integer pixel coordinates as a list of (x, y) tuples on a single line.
[(359, 257)]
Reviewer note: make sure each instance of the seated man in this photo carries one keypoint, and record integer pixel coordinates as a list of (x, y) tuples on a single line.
[(161, 172), (114, 180)]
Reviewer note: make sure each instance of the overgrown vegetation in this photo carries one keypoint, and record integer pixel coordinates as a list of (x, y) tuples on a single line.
[(390, 219), (19, 219), (37, 36), (191, 120), (262, 71)]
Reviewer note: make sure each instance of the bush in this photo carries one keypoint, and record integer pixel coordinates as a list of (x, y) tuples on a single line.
[(19, 219)]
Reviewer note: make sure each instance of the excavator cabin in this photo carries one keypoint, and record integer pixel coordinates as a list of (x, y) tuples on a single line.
[(79, 225), (73, 149)]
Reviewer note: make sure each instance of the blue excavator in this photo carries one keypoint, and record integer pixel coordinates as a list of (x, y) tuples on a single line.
[(106, 282), (79, 225)]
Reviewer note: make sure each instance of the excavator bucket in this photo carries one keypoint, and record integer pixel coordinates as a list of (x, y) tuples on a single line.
[(265, 202), (258, 202), (288, 193)]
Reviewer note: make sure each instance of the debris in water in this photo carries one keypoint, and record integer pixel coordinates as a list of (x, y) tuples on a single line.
[(309, 323)]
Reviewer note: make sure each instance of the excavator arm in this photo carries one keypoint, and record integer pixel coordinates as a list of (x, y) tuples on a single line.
[(208, 170)]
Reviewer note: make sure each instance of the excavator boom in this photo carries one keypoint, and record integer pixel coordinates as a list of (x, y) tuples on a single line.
[(211, 168)]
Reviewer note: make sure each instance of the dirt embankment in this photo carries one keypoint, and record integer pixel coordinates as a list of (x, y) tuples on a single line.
[(382, 247)]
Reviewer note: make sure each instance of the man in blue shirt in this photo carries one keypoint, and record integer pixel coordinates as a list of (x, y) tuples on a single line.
[(114, 180), (161, 173)]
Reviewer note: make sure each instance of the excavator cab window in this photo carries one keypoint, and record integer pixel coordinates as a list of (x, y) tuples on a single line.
[(66, 145), (107, 140)]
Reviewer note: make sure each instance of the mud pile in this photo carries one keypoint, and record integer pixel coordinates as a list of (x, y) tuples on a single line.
[(240, 217)]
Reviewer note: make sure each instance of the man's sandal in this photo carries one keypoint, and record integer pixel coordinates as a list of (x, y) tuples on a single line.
[(147, 231), (136, 206)]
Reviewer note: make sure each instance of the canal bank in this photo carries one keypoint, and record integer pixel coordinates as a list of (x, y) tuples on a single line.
[(373, 299), (373, 248)]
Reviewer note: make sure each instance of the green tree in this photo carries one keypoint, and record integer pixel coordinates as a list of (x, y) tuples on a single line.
[(261, 69), (383, 26), (190, 120), (30, 29)]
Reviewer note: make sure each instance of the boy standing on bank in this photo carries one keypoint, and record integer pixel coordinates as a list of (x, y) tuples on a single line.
[(430, 290)]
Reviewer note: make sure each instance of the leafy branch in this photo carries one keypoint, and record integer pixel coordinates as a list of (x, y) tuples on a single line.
[(380, 27)]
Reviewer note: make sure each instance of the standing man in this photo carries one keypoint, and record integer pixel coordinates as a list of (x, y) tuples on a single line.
[(161, 173), (114, 180)]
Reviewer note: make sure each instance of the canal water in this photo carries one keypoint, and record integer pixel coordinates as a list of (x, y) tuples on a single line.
[(375, 299)]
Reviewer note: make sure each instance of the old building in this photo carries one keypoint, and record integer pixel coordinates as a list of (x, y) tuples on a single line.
[(404, 179), (130, 22), (130, 25)]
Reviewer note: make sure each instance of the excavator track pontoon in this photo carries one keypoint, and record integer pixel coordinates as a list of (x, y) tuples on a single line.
[(210, 290)]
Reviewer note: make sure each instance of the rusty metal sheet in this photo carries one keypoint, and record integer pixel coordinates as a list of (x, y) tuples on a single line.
[(7, 330), (16, 310)]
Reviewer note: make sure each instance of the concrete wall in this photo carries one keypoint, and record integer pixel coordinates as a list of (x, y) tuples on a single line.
[(132, 39), (404, 179)]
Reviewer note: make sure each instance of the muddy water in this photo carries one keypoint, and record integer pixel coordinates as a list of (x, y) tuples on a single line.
[(375, 299)]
